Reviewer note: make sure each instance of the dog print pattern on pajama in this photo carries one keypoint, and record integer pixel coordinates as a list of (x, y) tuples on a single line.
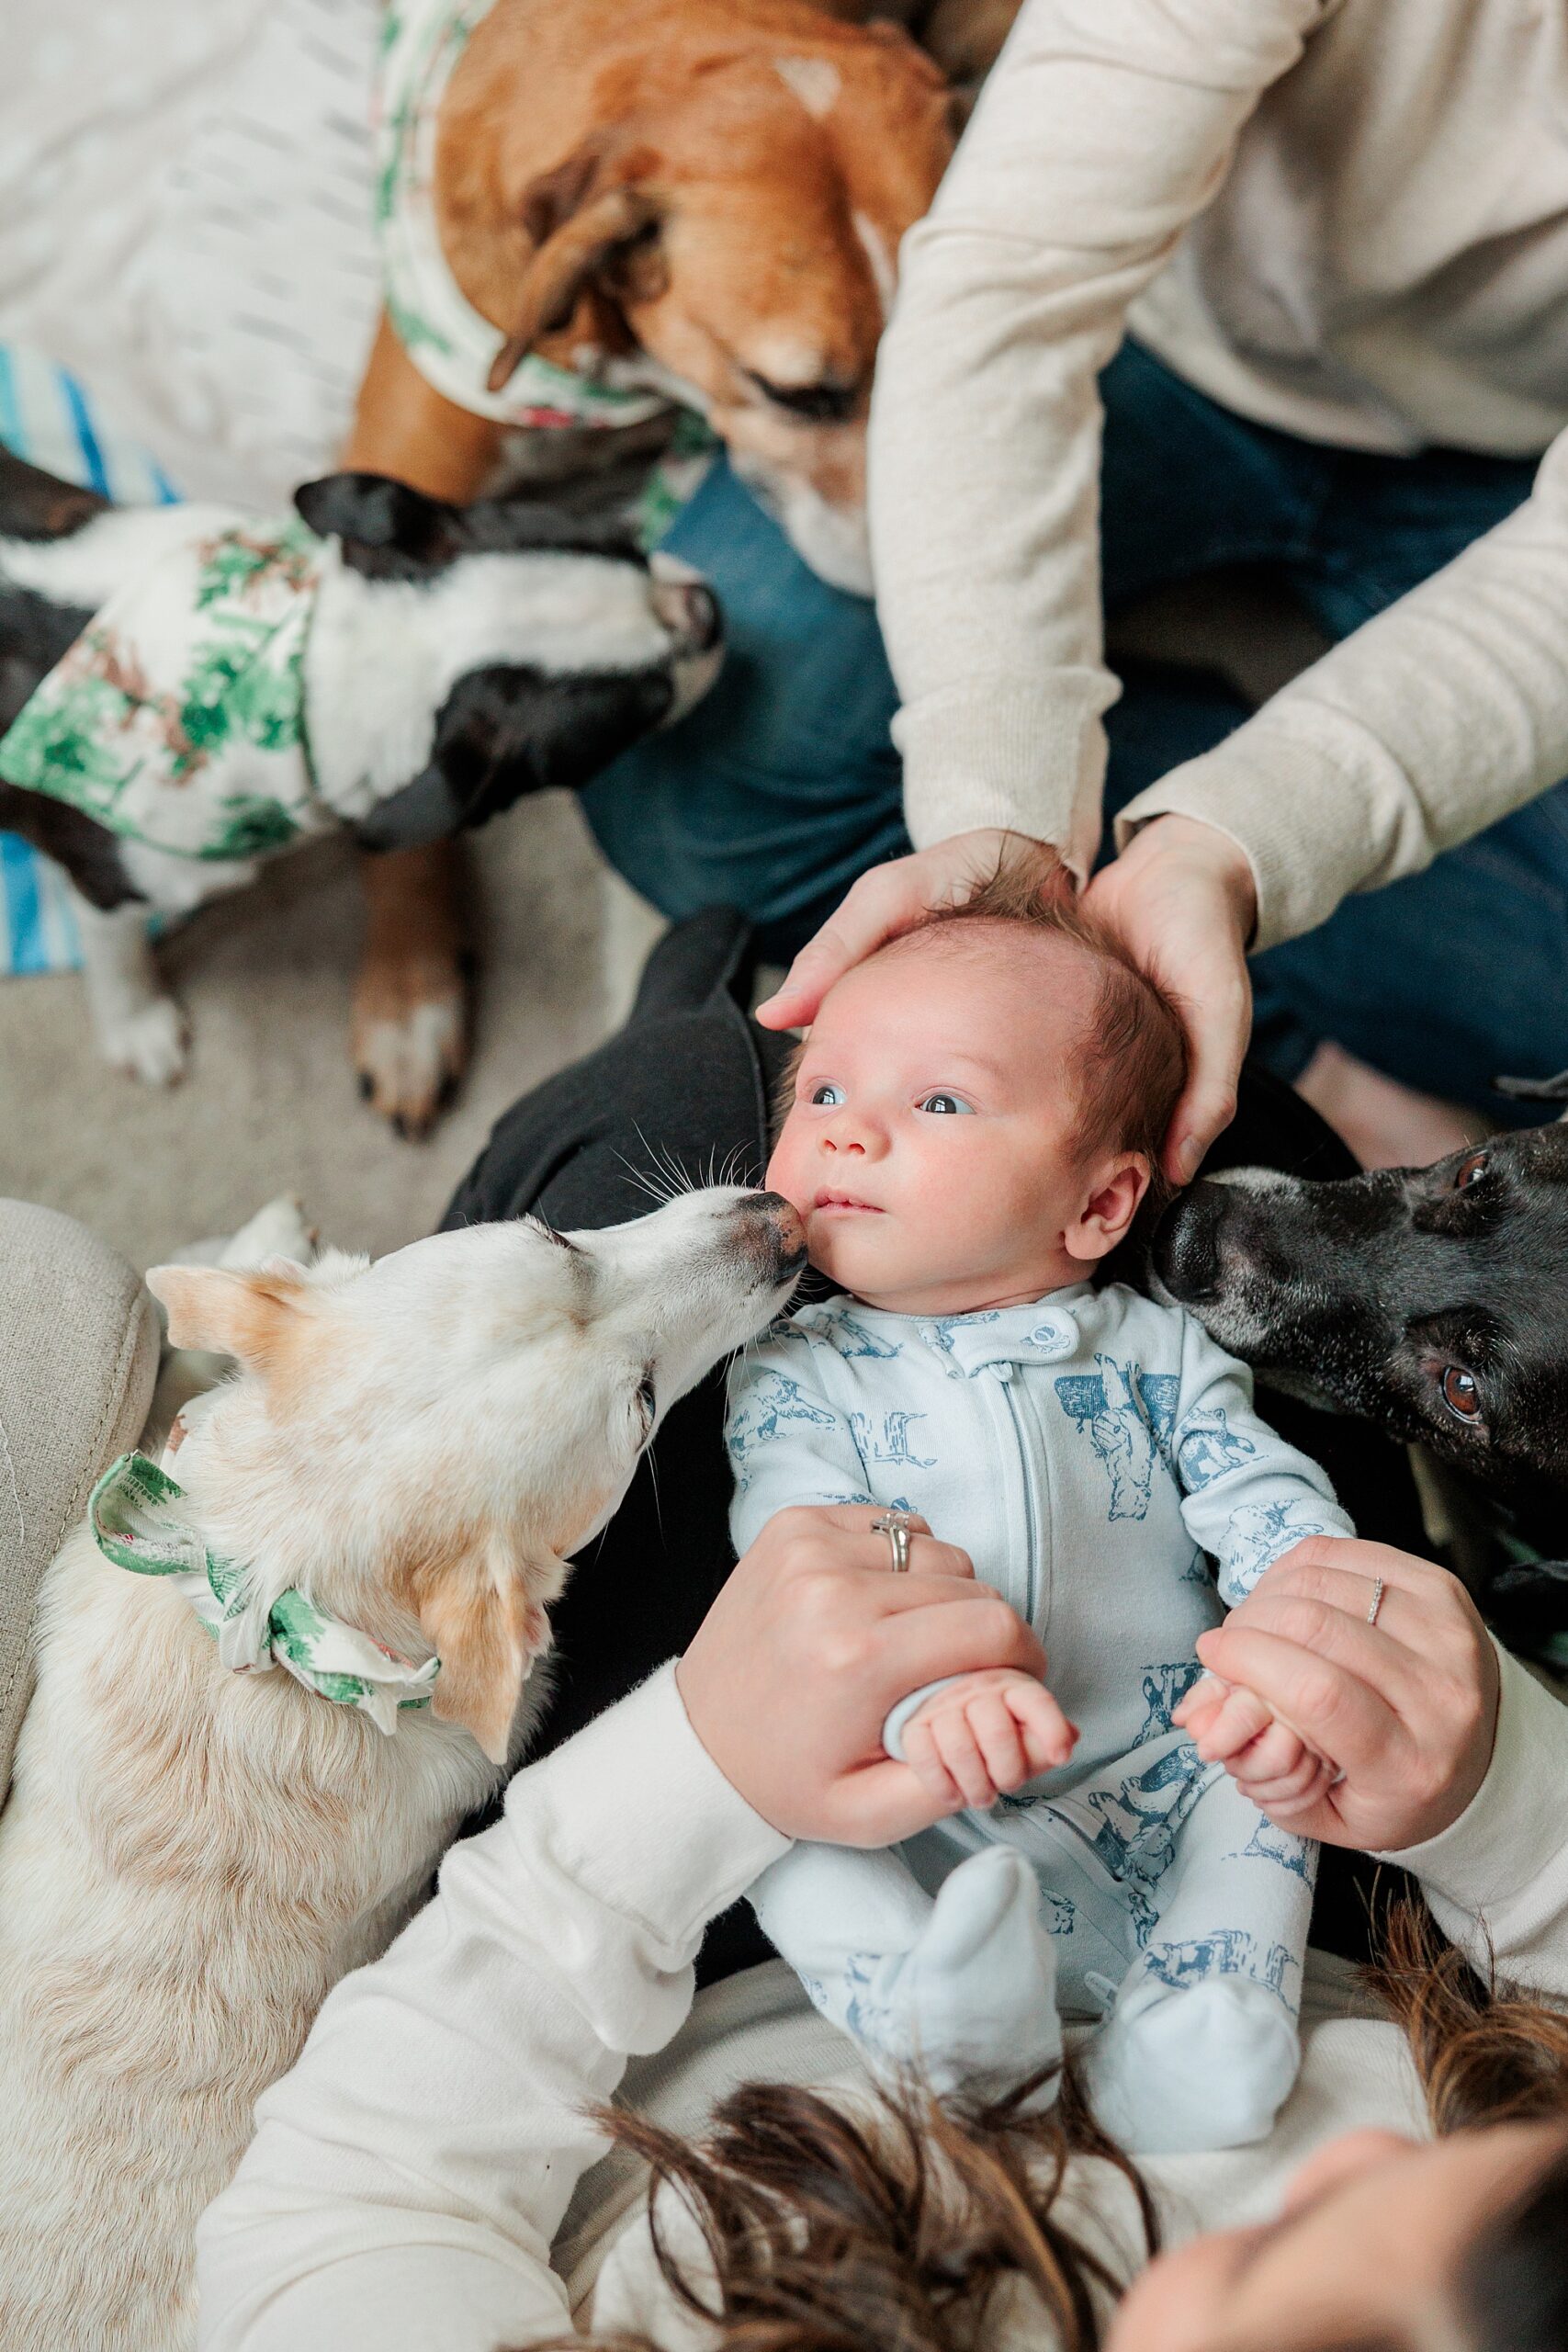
[(1079, 1449)]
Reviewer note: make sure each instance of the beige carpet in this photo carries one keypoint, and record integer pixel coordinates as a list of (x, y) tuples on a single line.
[(270, 1103)]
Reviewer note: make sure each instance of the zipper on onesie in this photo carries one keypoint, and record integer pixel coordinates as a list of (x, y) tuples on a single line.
[(1023, 1426)]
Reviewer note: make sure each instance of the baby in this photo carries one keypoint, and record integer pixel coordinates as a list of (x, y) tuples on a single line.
[(974, 1119)]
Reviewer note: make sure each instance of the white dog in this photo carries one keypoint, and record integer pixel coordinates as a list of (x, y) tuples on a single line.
[(192, 1855)]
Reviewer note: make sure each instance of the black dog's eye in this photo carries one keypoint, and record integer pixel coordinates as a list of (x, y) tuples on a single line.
[(1470, 1171), (1460, 1394)]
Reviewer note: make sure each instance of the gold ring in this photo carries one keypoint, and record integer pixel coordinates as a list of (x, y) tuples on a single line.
[(894, 1525)]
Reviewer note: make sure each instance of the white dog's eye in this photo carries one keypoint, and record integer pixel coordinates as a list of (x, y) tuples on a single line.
[(646, 1400)]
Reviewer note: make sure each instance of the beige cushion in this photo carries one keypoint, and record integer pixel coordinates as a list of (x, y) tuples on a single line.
[(78, 1358)]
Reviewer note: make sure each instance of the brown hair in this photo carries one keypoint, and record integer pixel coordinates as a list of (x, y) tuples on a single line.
[(1484, 2054), (1130, 1066), (899, 2234), (830, 2233)]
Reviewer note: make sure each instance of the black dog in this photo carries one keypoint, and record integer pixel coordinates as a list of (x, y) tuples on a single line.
[(1428, 1300)]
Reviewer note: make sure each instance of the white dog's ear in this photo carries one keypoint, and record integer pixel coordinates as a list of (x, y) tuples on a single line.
[(484, 1615), (243, 1314)]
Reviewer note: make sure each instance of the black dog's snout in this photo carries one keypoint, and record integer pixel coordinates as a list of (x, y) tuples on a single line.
[(777, 1229), (707, 624), (423, 811), (1186, 1246), (691, 609)]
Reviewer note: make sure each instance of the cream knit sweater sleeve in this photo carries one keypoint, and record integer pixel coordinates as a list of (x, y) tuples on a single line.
[(1101, 133), (408, 2178), (1497, 1880)]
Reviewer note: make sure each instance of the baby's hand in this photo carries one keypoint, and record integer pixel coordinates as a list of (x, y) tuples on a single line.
[(1269, 1762), (984, 1734)]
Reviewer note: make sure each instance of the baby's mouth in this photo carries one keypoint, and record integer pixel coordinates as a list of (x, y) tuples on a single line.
[(843, 1204)]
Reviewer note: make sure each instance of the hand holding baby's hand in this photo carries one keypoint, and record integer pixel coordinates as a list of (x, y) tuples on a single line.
[(984, 1734), (1269, 1762), (1382, 1666)]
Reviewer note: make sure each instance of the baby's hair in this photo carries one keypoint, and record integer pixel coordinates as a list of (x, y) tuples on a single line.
[(1130, 1068)]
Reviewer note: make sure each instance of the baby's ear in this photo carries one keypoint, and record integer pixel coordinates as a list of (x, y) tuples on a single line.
[(482, 1612), (1117, 1187), (248, 1315)]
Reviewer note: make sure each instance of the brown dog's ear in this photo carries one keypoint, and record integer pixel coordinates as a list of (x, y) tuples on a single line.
[(248, 1315), (580, 218), (484, 1615)]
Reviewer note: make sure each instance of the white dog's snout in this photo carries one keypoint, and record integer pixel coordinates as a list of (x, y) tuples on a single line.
[(779, 1225)]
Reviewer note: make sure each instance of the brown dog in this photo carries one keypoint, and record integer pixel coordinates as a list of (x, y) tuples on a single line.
[(697, 200)]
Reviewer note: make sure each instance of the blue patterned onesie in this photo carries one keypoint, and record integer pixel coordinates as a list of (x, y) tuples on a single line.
[(1092, 1454)]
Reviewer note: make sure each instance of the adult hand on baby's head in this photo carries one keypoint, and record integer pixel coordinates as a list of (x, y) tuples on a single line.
[(1405, 1709), (892, 898), (1182, 899), (807, 1648)]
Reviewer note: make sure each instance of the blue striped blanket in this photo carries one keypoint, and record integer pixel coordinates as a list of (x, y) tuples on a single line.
[(47, 417)]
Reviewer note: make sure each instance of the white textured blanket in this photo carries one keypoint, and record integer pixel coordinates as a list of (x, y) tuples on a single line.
[(185, 221)]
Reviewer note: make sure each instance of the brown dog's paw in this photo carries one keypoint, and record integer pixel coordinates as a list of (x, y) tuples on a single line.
[(409, 1040), (411, 1030)]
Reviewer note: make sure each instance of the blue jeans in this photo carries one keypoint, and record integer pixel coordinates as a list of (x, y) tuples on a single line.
[(784, 786)]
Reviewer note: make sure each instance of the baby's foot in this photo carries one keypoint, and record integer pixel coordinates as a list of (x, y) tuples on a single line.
[(1208, 2066), (962, 1990), (972, 2006)]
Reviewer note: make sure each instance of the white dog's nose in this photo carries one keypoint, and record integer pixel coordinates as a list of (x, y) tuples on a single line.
[(778, 1226)]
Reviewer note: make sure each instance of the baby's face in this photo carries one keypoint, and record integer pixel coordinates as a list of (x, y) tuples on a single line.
[(929, 1146)]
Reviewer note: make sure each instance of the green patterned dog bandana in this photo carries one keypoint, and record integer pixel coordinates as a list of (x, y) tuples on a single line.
[(449, 342), (178, 717), (136, 1523)]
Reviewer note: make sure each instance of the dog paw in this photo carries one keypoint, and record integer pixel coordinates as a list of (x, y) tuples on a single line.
[(410, 1062), (149, 1044), (279, 1230)]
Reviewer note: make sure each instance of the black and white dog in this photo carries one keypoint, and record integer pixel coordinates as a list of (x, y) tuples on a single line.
[(1432, 1301), (184, 690)]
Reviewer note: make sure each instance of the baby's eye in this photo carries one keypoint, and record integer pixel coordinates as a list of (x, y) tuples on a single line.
[(827, 1093), (947, 1107)]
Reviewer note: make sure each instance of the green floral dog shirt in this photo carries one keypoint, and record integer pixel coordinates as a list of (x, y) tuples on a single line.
[(178, 717)]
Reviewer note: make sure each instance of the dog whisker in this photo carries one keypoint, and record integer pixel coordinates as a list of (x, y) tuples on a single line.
[(646, 1182)]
